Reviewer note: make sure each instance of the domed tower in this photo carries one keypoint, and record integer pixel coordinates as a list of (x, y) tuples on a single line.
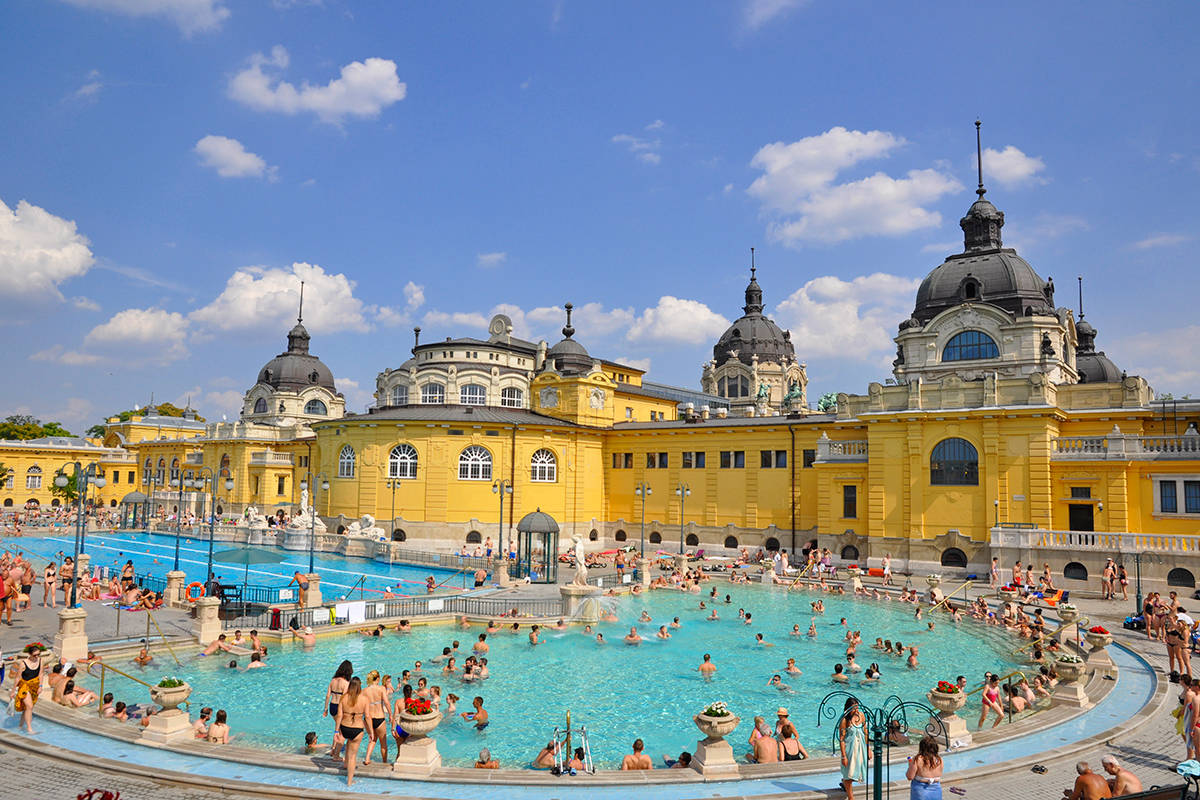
[(754, 363), (1092, 366), (985, 311), (294, 386)]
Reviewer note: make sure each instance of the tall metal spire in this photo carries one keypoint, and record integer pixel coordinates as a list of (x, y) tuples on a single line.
[(567, 330), (1080, 298), (300, 313), (979, 159), (752, 263)]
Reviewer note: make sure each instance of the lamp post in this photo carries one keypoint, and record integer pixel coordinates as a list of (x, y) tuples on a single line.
[(643, 491), (502, 487), (996, 505), (392, 483), (181, 483), (684, 491), (205, 475), (82, 476), (312, 518)]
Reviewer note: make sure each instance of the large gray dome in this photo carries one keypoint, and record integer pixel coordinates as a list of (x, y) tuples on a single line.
[(296, 368), (1092, 365), (569, 357), (752, 334)]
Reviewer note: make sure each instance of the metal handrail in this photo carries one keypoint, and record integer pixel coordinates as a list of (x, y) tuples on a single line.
[(104, 667), (945, 599), (462, 571), (1002, 677), (150, 618)]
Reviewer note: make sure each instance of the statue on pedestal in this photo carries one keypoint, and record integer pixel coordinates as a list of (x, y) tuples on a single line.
[(581, 570)]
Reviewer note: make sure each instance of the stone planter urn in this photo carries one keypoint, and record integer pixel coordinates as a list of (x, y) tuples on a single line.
[(934, 581), (1068, 614), (1070, 691), (713, 755), (947, 703), (854, 570), (170, 698), (1069, 671), (419, 754), (1098, 641), (1009, 595)]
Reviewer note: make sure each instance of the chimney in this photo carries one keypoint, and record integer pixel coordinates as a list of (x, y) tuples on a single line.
[(704, 412)]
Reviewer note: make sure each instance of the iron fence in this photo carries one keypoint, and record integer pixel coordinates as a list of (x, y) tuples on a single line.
[(401, 608)]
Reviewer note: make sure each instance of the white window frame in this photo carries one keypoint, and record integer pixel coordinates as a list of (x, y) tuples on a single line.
[(433, 393), (33, 477), (402, 462), (543, 466), (1180, 498), (512, 397), (347, 462), (475, 464), (472, 394), (324, 406), (400, 394)]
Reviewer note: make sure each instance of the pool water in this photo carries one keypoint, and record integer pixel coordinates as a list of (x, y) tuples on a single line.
[(619, 692), (154, 554)]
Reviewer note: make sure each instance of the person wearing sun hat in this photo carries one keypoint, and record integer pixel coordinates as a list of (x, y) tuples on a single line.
[(782, 715)]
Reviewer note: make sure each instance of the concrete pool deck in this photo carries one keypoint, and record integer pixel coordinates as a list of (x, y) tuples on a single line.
[(1139, 741)]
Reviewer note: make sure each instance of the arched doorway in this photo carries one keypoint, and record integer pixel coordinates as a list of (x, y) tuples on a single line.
[(655, 537), (1181, 577), (1075, 571), (850, 553), (953, 557), (398, 535), (692, 540), (474, 537), (620, 536), (771, 544), (731, 542)]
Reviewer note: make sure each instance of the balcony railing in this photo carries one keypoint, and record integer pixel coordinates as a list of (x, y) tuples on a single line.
[(270, 459), (842, 451), (1094, 541), (1116, 446)]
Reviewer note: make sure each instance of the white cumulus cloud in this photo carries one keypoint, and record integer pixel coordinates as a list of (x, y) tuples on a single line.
[(676, 319), (85, 304), (38, 252), (759, 12), (231, 159), (460, 319), (491, 259), (60, 355), (1161, 240), (269, 297), (414, 296), (852, 319), (363, 89), (143, 335), (191, 16), (798, 190), (644, 150), (1011, 168)]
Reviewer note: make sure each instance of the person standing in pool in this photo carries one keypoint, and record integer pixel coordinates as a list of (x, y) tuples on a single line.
[(351, 720), (301, 582), (379, 715), (852, 740), (333, 699)]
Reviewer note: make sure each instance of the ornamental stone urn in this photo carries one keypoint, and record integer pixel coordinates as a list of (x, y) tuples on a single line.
[(1009, 595), (170, 697), (1069, 691), (1098, 641), (947, 705), (1068, 613), (714, 755), (419, 754), (1098, 657), (934, 581), (854, 570)]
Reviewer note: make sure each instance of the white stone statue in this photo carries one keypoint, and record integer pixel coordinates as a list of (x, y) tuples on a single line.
[(304, 499), (305, 521), (581, 570), (366, 527), (254, 519)]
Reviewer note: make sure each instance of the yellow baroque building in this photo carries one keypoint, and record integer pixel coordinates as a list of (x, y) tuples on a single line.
[(1001, 431)]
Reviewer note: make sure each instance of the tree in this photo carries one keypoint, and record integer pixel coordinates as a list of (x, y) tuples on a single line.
[(23, 426), (163, 410), (67, 493), (828, 402)]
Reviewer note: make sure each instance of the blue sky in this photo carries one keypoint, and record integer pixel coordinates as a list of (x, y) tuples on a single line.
[(172, 168)]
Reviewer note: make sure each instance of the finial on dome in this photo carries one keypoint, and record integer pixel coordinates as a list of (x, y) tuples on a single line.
[(979, 159), (1080, 278), (752, 267), (754, 303), (300, 313), (568, 331)]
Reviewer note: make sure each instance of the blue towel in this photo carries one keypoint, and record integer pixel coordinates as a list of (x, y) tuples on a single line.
[(1189, 768)]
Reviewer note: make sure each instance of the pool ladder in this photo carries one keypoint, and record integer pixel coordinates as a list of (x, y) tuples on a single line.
[(563, 751)]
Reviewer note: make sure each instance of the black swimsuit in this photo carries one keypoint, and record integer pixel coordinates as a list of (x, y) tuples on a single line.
[(351, 732)]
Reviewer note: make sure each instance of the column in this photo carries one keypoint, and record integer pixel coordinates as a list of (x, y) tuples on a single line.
[(70, 643)]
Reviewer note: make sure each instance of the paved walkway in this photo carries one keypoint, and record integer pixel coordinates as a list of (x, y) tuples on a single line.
[(1151, 751)]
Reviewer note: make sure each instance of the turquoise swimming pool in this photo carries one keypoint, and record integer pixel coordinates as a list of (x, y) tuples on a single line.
[(154, 554), (619, 692)]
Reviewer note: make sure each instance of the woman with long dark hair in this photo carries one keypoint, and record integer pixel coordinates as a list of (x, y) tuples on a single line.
[(333, 699), (351, 720), (852, 738), (925, 771)]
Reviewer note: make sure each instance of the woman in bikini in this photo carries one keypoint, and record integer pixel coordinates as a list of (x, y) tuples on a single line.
[(379, 714), (351, 719), (991, 700), (29, 683), (333, 698), (218, 732), (925, 771)]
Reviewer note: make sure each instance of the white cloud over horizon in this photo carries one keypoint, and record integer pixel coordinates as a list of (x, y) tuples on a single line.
[(191, 16), (644, 150), (757, 13), (491, 259), (1010, 167), (363, 88), (38, 252), (850, 319), (231, 159)]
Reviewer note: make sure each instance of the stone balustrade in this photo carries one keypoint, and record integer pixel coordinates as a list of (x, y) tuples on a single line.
[(1120, 447), (841, 451)]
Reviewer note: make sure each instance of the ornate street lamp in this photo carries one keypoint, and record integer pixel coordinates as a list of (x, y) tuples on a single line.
[(312, 521), (82, 476), (643, 491), (684, 491), (502, 487)]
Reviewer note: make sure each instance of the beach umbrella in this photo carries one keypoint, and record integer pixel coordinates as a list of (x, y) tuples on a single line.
[(247, 556)]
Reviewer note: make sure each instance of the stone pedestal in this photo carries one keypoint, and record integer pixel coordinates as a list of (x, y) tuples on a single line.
[(768, 577), (83, 566), (681, 563), (167, 727), (503, 579), (956, 729), (579, 603), (418, 758), (1070, 694), (714, 758), (207, 626), (1099, 660), (312, 597), (70, 643), (174, 592)]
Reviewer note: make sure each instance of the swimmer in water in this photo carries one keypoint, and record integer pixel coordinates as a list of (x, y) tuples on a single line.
[(633, 637), (777, 682), (713, 616), (851, 664), (759, 640), (662, 632), (796, 631), (707, 667), (791, 668), (675, 623), (599, 638), (812, 629), (912, 658), (839, 676), (645, 617)]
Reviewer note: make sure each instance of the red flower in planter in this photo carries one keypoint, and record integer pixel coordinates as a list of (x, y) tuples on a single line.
[(418, 706), (1097, 629)]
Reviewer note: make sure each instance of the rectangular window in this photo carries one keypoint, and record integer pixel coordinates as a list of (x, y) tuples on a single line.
[(693, 459), (628, 412), (850, 502), (33, 481), (304, 461), (1081, 492), (781, 459), (281, 485), (116, 477), (663, 462), (1191, 497), (433, 394), (766, 459), (629, 461), (128, 477), (1166, 493), (616, 460), (733, 459), (810, 457), (651, 460)]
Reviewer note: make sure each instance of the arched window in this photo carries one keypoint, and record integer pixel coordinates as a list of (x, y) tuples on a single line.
[(475, 464), (400, 395), (315, 407), (433, 394), (954, 462), (399, 535), (692, 540), (8, 502), (544, 467), (111, 503), (346, 461), (260, 405), (953, 557), (174, 469), (33, 477), (1075, 571), (850, 553), (402, 462), (224, 471), (474, 537), (512, 398), (771, 544), (655, 537), (970, 345), (620, 536), (593, 535), (147, 470), (731, 542), (472, 395), (1181, 577), (54, 503), (161, 472)]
